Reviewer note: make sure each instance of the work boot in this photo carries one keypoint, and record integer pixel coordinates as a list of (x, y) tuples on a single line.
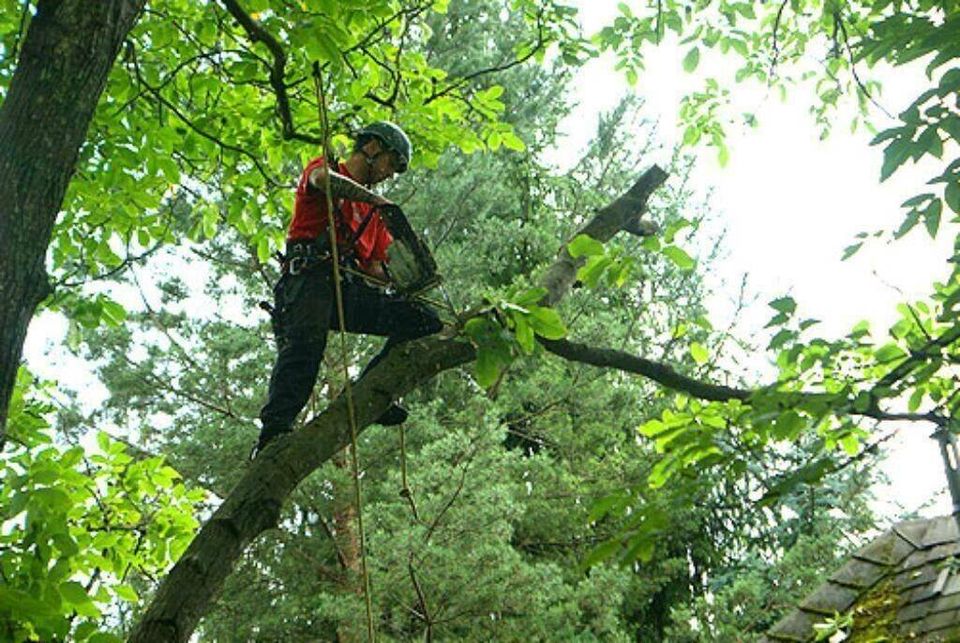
[(267, 435), (394, 415)]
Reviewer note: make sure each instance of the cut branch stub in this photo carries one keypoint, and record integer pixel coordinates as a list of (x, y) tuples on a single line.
[(609, 221)]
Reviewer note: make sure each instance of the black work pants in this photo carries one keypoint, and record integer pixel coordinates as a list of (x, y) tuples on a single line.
[(305, 309)]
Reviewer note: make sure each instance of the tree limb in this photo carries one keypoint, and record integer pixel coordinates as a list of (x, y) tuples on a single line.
[(665, 375)]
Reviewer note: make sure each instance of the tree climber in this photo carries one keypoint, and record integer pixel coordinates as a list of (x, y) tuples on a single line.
[(305, 304)]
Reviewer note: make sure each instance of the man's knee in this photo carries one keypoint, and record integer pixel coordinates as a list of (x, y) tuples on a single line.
[(307, 341)]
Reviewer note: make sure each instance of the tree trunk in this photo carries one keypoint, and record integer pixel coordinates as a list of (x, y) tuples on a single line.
[(348, 540), (254, 504), (66, 56)]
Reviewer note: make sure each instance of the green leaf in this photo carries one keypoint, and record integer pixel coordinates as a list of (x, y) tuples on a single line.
[(850, 444), (546, 322), (605, 505), (916, 398), (263, 250), (931, 217), (104, 637), (601, 553), (785, 305), (691, 60), (787, 426), (952, 196), (530, 297), (487, 367), (74, 593), (679, 257), (862, 402), (723, 155), (593, 270), (513, 142), (584, 246), (849, 251), (699, 353), (127, 593), (525, 335), (889, 353), (113, 313), (894, 155)]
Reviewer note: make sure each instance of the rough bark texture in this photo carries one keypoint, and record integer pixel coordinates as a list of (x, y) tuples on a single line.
[(66, 56), (254, 504)]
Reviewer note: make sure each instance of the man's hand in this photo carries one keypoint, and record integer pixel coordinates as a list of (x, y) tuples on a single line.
[(342, 187), (375, 270)]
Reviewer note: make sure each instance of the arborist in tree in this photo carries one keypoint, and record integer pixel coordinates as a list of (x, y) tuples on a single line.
[(305, 303)]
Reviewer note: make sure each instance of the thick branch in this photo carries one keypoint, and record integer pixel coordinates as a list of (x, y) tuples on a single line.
[(656, 371), (64, 60), (664, 374)]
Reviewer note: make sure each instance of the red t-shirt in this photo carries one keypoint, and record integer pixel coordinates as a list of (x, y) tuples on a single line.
[(310, 219)]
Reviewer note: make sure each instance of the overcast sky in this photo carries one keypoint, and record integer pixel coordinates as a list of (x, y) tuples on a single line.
[(790, 204)]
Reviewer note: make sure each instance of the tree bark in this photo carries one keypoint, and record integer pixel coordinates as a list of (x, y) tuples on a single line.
[(254, 504), (67, 54)]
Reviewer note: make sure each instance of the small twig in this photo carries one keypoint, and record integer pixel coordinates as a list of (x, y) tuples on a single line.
[(839, 23), (424, 612), (223, 145), (452, 87), (776, 45)]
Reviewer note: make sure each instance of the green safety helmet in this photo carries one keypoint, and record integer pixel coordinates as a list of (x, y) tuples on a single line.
[(394, 138)]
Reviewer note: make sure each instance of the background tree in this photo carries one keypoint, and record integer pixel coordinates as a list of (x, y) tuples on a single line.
[(507, 476)]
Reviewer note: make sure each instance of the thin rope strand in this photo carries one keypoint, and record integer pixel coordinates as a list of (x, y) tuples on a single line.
[(348, 388)]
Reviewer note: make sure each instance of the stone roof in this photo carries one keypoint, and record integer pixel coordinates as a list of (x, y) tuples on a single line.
[(904, 585)]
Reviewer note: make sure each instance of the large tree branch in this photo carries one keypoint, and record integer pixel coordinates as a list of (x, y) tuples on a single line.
[(254, 504), (665, 375), (658, 372)]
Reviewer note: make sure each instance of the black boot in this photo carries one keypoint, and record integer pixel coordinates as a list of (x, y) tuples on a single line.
[(394, 415)]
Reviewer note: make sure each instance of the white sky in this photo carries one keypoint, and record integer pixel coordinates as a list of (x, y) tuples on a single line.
[(789, 204)]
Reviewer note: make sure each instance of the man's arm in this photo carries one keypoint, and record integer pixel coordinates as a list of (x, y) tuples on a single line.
[(342, 187)]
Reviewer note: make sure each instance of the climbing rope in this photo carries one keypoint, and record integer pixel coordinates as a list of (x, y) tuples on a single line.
[(348, 389)]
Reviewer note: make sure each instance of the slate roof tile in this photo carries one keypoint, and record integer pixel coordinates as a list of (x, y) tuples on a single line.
[(914, 577), (859, 573), (913, 531), (913, 612), (941, 530), (795, 626), (944, 603), (888, 549), (936, 553), (939, 621), (830, 598)]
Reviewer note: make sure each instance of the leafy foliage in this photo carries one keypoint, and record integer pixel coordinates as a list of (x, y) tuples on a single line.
[(81, 527)]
